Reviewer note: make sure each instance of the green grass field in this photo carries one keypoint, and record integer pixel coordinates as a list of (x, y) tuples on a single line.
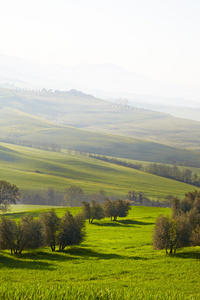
[(116, 261), (33, 169)]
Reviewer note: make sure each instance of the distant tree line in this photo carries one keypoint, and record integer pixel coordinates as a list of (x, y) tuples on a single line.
[(166, 171), (71, 196), (139, 198), (116, 161), (173, 172), (33, 144), (182, 228), (49, 230)]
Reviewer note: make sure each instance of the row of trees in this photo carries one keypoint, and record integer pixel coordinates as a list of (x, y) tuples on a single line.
[(52, 231), (72, 196), (173, 172), (34, 144), (110, 209), (117, 161), (182, 228), (49, 230)]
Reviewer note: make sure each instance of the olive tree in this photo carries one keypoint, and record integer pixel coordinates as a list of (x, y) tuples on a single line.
[(19, 236), (117, 208), (71, 231), (93, 210), (171, 233), (9, 194), (50, 225)]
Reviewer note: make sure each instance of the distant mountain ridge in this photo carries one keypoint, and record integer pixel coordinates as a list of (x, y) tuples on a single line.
[(99, 79)]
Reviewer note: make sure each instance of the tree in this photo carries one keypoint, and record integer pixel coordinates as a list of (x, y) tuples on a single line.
[(9, 194), (29, 234), (8, 234), (171, 233), (86, 210), (50, 224), (161, 234), (92, 211), (17, 237), (109, 208), (122, 208), (117, 208), (74, 196), (96, 211), (71, 231)]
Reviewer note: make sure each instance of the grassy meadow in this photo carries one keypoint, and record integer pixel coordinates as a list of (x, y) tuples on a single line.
[(34, 169), (116, 261)]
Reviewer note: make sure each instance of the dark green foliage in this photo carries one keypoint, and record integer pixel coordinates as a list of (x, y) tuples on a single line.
[(23, 235), (8, 234), (86, 209), (161, 234), (30, 236), (9, 194), (117, 208), (92, 211), (71, 231), (171, 234), (50, 224), (174, 173), (183, 228), (97, 211), (109, 208)]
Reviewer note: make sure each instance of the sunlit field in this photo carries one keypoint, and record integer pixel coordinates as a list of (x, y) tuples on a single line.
[(116, 261)]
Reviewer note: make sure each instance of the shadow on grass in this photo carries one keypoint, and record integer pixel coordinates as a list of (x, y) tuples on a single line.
[(186, 255), (20, 215), (14, 262), (125, 223), (88, 253), (42, 255)]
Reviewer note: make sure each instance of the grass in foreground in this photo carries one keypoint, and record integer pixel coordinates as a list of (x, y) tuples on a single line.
[(116, 261)]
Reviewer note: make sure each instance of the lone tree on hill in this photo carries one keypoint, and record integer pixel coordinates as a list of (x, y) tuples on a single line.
[(9, 194)]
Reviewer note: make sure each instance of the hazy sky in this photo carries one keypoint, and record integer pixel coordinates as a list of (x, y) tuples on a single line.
[(158, 38)]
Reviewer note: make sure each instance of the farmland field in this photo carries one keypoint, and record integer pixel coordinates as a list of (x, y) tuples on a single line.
[(116, 261)]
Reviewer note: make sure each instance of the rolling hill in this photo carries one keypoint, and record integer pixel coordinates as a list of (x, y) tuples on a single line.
[(26, 129), (34, 169), (82, 111)]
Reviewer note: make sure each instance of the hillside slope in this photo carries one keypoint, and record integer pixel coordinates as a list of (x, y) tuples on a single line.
[(76, 109), (33, 169), (23, 128)]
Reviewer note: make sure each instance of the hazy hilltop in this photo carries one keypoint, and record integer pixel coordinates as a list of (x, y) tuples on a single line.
[(20, 110), (106, 81)]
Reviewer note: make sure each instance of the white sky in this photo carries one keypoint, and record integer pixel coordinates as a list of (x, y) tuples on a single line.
[(157, 38)]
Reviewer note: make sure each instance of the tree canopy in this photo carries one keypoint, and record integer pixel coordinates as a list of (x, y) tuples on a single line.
[(9, 194)]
